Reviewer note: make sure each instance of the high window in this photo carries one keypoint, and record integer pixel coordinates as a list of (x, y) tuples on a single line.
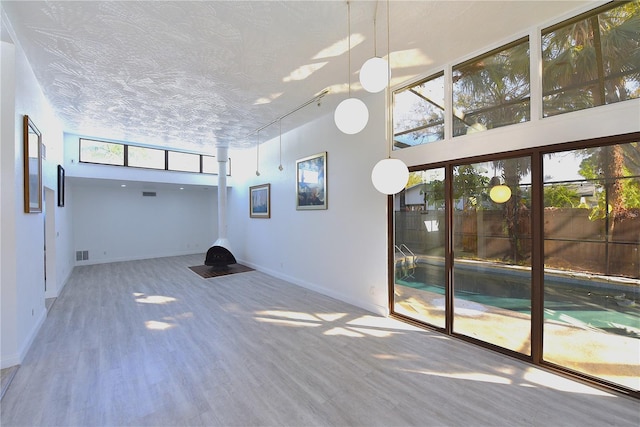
[(106, 153), (587, 61), (418, 113), (492, 90), (591, 60), (119, 154)]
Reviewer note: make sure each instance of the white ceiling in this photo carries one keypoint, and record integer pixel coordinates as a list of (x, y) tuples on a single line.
[(191, 75)]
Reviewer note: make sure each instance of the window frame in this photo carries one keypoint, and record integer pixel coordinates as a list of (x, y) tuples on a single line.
[(537, 255), (166, 157)]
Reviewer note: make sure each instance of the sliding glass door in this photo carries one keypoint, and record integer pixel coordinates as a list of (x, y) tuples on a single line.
[(592, 262), (536, 255), (492, 252), (420, 284)]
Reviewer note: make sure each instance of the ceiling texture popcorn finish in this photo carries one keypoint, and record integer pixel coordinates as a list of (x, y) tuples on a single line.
[(193, 75)]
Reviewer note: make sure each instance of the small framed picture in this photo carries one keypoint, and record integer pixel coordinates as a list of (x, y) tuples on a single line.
[(60, 186), (260, 201), (311, 182)]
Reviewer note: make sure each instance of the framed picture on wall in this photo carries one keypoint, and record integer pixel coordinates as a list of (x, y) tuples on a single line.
[(311, 182), (260, 201), (32, 167), (60, 186)]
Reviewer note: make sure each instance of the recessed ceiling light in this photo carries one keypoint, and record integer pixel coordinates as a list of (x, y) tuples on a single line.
[(123, 185), (182, 188)]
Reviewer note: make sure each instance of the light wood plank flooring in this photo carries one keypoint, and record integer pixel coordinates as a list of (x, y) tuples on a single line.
[(152, 343)]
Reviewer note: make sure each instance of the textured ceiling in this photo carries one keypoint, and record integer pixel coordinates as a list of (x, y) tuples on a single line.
[(193, 75)]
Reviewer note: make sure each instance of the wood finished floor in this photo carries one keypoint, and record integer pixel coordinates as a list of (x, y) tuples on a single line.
[(152, 343)]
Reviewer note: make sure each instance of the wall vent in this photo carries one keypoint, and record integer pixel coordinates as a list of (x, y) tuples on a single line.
[(148, 194), (82, 255)]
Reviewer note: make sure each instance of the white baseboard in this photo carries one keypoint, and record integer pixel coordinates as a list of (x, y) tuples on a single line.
[(374, 308), (16, 359), (137, 258)]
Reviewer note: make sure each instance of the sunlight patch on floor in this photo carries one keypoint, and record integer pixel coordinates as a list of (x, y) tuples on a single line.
[(557, 382), (152, 299), (343, 332), (470, 376), (330, 317), (293, 315), (382, 322), (287, 322), (155, 325)]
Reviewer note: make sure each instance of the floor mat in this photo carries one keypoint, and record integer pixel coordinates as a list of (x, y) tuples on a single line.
[(208, 272)]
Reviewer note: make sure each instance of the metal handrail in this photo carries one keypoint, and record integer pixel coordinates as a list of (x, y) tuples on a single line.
[(407, 248)]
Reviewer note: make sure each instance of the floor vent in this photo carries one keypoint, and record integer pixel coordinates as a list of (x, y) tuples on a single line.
[(82, 255), (148, 194)]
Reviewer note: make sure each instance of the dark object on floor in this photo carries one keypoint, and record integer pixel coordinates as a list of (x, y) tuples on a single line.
[(207, 272), (219, 257)]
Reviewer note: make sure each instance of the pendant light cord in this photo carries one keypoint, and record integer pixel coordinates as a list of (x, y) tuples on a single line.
[(389, 101), (280, 142), (375, 32), (349, 44)]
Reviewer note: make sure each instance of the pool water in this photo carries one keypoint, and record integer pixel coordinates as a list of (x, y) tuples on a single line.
[(609, 308)]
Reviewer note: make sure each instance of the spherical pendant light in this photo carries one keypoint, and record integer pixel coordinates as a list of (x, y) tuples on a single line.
[(351, 116), (374, 74), (390, 176), (500, 193)]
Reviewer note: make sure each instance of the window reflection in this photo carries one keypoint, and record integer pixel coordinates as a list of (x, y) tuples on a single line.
[(106, 153), (592, 61), (492, 90), (418, 113), (588, 289), (592, 263), (185, 162), (145, 157), (419, 250), (492, 252)]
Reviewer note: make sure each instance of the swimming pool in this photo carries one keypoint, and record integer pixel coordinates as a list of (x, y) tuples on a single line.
[(585, 302)]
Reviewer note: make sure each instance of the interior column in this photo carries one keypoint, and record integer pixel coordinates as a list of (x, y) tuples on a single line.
[(222, 154)]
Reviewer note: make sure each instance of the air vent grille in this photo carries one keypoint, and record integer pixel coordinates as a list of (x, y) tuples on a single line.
[(148, 194)]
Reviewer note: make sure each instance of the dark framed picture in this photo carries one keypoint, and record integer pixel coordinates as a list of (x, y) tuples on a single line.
[(60, 186), (311, 182), (260, 201), (32, 167)]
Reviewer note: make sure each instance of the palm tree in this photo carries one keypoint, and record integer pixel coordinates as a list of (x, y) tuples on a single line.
[(493, 90), (593, 61)]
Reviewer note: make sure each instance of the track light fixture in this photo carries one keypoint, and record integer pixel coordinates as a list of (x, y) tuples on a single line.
[(280, 168), (258, 154)]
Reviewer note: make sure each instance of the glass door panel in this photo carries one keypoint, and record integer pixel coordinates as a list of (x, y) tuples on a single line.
[(492, 252), (592, 262), (419, 221)]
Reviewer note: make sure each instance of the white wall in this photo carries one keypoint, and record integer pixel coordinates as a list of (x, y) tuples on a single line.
[(117, 224), (340, 251), (22, 236)]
